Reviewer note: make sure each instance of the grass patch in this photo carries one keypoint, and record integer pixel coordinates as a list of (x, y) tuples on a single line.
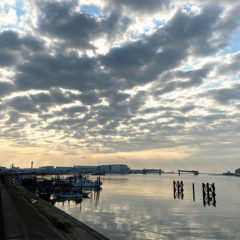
[(63, 226)]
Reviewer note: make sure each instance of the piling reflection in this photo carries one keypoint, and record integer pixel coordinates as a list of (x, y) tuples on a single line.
[(193, 188), (143, 207), (208, 192), (178, 191), (96, 198), (209, 195)]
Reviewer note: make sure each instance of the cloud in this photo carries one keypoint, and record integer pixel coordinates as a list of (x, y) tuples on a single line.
[(7, 18), (117, 80), (231, 66), (225, 95), (78, 29), (142, 6), (5, 88), (13, 47)]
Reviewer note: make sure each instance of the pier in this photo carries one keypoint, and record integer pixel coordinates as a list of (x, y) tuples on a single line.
[(23, 215), (195, 172)]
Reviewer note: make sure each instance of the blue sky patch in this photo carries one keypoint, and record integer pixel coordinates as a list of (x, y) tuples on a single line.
[(19, 9), (233, 46), (158, 23), (91, 9)]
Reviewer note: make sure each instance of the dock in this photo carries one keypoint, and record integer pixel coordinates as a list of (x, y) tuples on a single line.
[(23, 215)]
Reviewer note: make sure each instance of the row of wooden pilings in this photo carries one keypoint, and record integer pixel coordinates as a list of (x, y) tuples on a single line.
[(208, 192)]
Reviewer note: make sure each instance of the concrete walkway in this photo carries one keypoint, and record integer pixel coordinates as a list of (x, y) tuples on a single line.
[(2, 230), (23, 220)]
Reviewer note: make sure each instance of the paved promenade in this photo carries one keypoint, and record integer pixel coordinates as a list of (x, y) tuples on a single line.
[(21, 218), (2, 231)]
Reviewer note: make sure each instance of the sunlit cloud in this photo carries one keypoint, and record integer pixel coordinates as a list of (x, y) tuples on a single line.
[(153, 83)]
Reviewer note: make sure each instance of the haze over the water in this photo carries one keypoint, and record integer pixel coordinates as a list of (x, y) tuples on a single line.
[(152, 84)]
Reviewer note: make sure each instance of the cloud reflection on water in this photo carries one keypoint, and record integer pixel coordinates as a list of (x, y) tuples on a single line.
[(142, 207)]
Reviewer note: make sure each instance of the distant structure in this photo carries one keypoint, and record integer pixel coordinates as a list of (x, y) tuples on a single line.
[(237, 172), (2, 169), (114, 168), (46, 169), (85, 169), (61, 169), (188, 171), (147, 171), (228, 173), (13, 168), (94, 170)]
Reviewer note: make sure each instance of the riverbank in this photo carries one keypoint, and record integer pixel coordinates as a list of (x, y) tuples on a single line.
[(26, 216)]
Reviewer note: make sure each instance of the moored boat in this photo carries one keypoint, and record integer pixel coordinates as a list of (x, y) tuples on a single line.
[(69, 195)]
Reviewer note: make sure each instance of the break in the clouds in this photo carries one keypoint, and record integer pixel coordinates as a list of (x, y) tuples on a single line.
[(148, 83)]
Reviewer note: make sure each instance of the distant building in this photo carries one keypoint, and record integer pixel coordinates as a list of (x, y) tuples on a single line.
[(228, 173), (115, 168), (237, 171), (63, 169), (46, 169), (29, 170), (85, 169), (2, 169), (146, 171), (14, 169)]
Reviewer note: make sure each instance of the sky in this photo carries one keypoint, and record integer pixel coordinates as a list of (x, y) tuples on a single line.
[(147, 83)]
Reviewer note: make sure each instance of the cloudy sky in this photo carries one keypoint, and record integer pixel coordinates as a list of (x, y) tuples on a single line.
[(148, 83)]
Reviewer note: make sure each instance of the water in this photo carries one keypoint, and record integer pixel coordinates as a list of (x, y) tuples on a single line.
[(143, 207)]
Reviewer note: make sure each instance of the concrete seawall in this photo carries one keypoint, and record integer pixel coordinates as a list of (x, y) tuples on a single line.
[(26, 216)]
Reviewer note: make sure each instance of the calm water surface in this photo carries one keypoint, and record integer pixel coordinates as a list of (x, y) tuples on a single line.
[(143, 207)]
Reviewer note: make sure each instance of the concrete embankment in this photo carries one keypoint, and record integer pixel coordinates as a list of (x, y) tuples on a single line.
[(26, 216)]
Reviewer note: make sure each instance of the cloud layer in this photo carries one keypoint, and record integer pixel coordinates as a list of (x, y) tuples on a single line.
[(111, 77)]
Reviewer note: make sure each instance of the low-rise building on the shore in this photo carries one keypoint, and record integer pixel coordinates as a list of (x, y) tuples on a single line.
[(63, 169), (147, 171), (115, 168), (85, 169), (102, 169), (45, 169), (2, 169), (237, 172)]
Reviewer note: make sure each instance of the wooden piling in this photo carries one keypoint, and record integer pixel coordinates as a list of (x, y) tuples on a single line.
[(193, 187)]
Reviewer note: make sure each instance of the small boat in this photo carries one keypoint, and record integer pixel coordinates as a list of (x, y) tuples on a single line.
[(82, 182), (69, 195)]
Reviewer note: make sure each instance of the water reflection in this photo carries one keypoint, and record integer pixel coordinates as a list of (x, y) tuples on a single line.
[(94, 195), (178, 191), (209, 195), (143, 207), (67, 201), (208, 192), (96, 198)]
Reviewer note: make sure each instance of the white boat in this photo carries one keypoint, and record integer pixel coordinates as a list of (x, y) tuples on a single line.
[(80, 182), (85, 182)]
